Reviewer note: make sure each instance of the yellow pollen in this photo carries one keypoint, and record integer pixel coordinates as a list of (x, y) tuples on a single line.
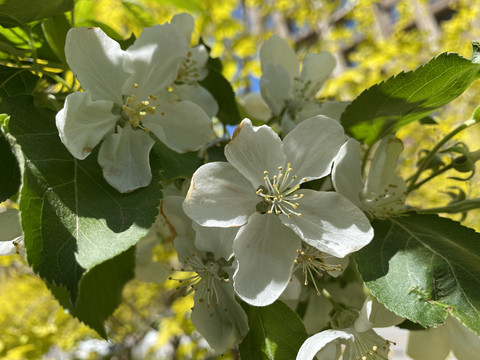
[(265, 172), (135, 86)]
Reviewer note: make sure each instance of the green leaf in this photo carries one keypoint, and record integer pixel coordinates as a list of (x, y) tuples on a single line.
[(424, 267), (9, 170), (194, 6), (55, 30), (223, 93), (13, 12), (100, 291), (138, 13), (276, 333), (14, 81), (72, 219), (406, 97), (174, 164)]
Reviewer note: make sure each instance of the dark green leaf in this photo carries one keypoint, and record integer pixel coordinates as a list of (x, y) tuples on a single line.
[(174, 164), (100, 291), (72, 219), (423, 267), (406, 97), (9, 171), (223, 93), (276, 333), (55, 30), (14, 81), (15, 12)]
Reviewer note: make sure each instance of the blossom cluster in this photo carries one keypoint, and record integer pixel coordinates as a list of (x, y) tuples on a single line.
[(258, 224)]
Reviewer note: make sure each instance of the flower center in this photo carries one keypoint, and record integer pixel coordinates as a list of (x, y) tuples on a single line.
[(389, 202), (368, 346), (134, 110), (279, 193), (189, 71), (313, 261), (207, 272)]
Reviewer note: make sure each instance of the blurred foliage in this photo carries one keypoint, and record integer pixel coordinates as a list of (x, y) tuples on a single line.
[(234, 30)]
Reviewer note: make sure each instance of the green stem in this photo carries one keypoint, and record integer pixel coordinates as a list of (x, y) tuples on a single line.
[(456, 207), (424, 163), (330, 299), (434, 174), (31, 41)]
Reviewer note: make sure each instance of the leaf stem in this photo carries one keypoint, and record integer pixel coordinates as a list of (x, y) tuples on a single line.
[(426, 160), (332, 302)]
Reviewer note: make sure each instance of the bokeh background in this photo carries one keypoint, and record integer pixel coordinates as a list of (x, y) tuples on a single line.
[(371, 40)]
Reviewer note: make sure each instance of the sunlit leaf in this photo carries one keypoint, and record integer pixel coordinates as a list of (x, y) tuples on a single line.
[(424, 267), (73, 220), (406, 97)]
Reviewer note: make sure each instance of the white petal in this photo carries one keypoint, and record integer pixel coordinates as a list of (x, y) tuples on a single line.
[(330, 223), (198, 95), (97, 62), (277, 51), (218, 241), (319, 342), (254, 150), (220, 196), (265, 251), (384, 162), (347, 173), (375, 314), (82, 123), (333, 109), (181, 226), (199, 56), (10, 225), (293, 290), (316, 69), (181, 125), (185, 23), (153, 60), (124, 157), (256, 107), (312, 146), (431, 344), (223, 325), (276, 87), (7, 248)]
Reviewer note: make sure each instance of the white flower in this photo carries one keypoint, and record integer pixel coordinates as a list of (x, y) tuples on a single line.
[(11, 233), (289, 92), (354, 330), (208, 253), (125, 99), (383, 193), (437, 343), (259, 190), (193, 70)]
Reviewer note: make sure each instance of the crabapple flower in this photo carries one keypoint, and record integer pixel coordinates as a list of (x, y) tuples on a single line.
[(259, 190), (438, 343), (11, 233), (193, 70), (126, 101), (289, 92), (354, 330), (383, 193), (207, 252)]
